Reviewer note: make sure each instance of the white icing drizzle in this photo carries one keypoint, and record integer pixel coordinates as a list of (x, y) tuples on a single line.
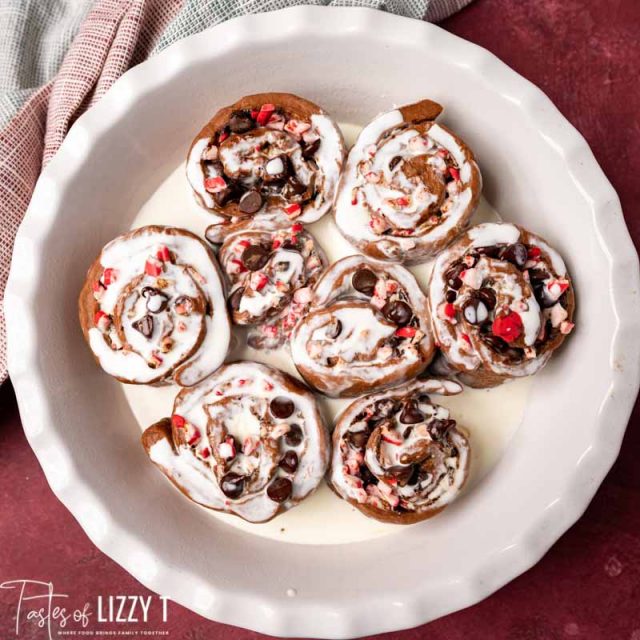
[(398, 440), (360, 353), (556, 259), (362, 332), (376, 194), (484, 235), (195, 172), (193, 274), (249, 384)]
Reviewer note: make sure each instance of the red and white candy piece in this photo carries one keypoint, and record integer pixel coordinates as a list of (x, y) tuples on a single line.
[(153, 267), (215, 184), (293, 210), (102, 321), (264, 115)]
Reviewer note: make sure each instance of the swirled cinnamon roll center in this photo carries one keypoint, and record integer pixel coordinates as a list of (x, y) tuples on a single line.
[(252, 443), (408, 181), (158, 314), (402, 455)]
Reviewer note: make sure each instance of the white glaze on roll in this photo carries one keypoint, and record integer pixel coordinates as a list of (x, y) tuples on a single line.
[(369, 351), (186, 345), (195, 171), (206, 408), (408, 188), (409, 484), (275, 282)]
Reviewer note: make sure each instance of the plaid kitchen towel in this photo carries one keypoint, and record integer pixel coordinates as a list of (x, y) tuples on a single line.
[(58, 57)]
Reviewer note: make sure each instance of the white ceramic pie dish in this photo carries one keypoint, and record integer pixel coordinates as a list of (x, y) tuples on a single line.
[(537, 170)]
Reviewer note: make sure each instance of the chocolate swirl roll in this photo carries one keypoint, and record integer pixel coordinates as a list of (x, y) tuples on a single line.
[(153, 308), (269, 273), (397, 456), (409, 187), (502, 302), (266, 161), (249, 440), (367, 328)]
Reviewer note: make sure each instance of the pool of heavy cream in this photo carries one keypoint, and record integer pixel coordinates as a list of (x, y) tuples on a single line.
[(490, 415)]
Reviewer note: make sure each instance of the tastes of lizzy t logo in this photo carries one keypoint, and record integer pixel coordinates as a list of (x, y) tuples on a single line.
[(36, 605)]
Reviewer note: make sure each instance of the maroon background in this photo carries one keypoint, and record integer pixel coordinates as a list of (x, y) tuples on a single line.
[(585, 55)]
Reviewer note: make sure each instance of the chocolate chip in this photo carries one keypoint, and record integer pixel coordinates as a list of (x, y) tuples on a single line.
[(407, 432), (488, 296), (545, 300), (148, 291), (397, 312), (276, 169), (334, 329), (491, 251), (241, 122), (282, 266), (157, 302), (294, 436), (236, 298), (411, 414), (358, 438), (496, 343), (293, 188), (438, 428), (281, 407), (401, 474), (310, 149), (486, 328), (366, 476), (144, 325), (415, 475), (538, 275), (393, 163), (217, 166), (232, 485), (451, 276), (224, 196), (280, 489), (451, 296), (290, 244), (364, 281), (255, 256), (516, 254), (475, 311), (289, 462), (250, 202)]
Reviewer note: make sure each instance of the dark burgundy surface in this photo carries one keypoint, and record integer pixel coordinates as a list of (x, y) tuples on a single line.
[(585, 55)]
